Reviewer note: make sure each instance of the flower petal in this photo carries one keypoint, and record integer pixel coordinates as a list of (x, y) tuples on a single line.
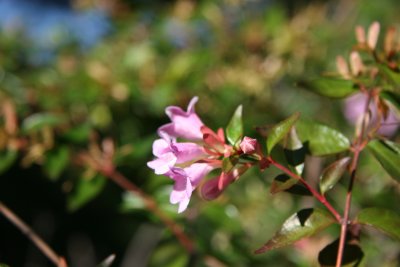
[(197, 171), (163, 164)]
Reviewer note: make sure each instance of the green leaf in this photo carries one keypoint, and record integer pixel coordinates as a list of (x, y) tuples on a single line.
[(279, 131), (392, 75), (330, 87), (302, 224), (281, 183), (56, 161), (234, 130), (288, 184), (322, 140), (388, 155), (7, 158), (352, 254), (331, 174), (39, 120), (78, 134), (294, 151), (391, 97), (84, 191), (384, 220), (3, 265)]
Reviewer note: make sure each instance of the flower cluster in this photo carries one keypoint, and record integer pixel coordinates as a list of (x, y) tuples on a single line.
[(188, 150)]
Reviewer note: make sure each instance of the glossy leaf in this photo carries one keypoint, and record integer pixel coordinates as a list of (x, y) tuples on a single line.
[(332, 174), (234, 130), (302, 224), (352, 254), (84, 191), (56, 161), (7, 158), (294, 151), (330, 87), (288, 184), (388, 155), (384, 220), (279, 131), (281, 183), (391, 97), (39, 120), (321, 139)]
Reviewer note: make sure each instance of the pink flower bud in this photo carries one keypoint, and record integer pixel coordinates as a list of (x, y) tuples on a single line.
[(248, 145), (373, 33)]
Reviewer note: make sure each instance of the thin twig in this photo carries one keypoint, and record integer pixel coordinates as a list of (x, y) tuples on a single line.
[(151, 205), (317, 195), (26, 230)]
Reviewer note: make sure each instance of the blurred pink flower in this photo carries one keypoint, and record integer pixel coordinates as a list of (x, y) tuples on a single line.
[(354, 108)]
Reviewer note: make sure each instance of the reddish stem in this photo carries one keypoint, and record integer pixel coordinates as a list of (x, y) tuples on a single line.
[(26, 230), (317, 195), (357, 148)]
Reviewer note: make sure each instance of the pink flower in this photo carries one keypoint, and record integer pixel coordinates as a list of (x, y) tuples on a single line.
[(248, 145), (354, 108), (186, 180), (168, 154), (187, 163), (185, 125)]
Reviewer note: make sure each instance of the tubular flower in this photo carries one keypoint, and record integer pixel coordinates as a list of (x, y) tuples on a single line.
[(187, 151), (184, 124)]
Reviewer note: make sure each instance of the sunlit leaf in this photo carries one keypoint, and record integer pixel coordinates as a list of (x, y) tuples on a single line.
[(388, 155), (352, 254), (39, 120), (330, 87), (56, 161), (384, 220), (332, 174), (294, 151), (234, 130), (7, 158), (302, 224), (322, 140), (279, 131), (84, 191)]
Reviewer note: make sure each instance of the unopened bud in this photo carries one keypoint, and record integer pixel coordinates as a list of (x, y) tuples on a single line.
[(248, 145), (373, 33)]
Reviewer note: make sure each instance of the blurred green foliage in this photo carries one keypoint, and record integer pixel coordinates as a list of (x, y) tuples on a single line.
[(228, 53)]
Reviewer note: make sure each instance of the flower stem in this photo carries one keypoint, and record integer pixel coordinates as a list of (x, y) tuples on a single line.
[(317, 195), (26, 230)]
